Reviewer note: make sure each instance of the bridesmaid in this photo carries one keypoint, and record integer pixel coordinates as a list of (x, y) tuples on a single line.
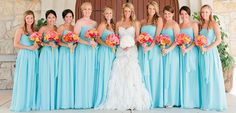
[(65, 92), (212, 83), (150, 57), (171, 60), (24, 89), (190, 95), (105, 56), (48, 67), (85, 53)]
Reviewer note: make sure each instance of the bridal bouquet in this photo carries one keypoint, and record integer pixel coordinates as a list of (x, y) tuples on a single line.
[(127, 41), (144, 38), (70, 38), (163, 40), (200, 41), (36, 37), (182, 40), (112, 40)]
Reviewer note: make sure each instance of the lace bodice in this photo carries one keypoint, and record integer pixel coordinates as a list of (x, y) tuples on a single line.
[(130, 31)]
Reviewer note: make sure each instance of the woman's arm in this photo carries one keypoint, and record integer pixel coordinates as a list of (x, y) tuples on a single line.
[(195, 31), (159, 26), (100, 30), (17, 43), (176, 33), (216, 29), (77, 29), (137, 30)]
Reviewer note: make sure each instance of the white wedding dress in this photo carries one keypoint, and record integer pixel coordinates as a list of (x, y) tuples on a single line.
[(126, 89)]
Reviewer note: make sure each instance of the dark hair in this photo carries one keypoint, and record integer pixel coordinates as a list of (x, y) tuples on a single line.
[(26, 13), (50, 12), (168, 8), (67, 11), (185, 8)]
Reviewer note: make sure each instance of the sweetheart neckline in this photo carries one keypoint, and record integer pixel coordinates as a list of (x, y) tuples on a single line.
[(126, 28)]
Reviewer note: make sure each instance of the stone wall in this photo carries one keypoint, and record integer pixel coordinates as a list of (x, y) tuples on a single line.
[(226, 10), (6, 74)]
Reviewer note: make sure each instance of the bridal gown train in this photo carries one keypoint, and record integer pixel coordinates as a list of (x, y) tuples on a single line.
[(126, 89)]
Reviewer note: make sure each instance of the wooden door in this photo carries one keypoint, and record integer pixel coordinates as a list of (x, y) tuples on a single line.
[(141, 10), (98, 6), (116, 5)]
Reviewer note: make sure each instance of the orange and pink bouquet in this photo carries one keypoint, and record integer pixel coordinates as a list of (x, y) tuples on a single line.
[(112, 40), (200, 41), (182, 39), (51, 36), (36, 37), (163, 40), (71, 37), (144, 38), (91, 34)]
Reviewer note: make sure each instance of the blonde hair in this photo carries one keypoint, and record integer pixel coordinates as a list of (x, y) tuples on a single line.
[(132, 16), (113, 25), (26, 13), (82, 7), (202, 21), (156, 15)]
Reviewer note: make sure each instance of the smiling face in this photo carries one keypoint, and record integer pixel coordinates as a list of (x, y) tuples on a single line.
[(87, 10), (51, 19), (205, 13), (168, 15), (127, 12), (151, 10), (29, 19), (108, 14), (184, 15), (68, 18)]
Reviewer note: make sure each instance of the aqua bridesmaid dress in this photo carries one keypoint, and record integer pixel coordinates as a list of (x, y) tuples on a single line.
[(190, 91), (151, 64), (105, 58), (213, 95), (171, 73), (65, 89), (48, 70), (25, 79), (85, 61)]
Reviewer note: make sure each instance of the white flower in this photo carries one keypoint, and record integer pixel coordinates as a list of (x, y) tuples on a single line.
[(127, 41)]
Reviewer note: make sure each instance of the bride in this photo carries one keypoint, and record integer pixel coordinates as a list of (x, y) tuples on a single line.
[(126, 89)]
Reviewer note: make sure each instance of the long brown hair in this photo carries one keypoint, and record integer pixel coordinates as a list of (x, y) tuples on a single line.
[(113, 25), (26, 13), (202, 21), (156, 15)]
